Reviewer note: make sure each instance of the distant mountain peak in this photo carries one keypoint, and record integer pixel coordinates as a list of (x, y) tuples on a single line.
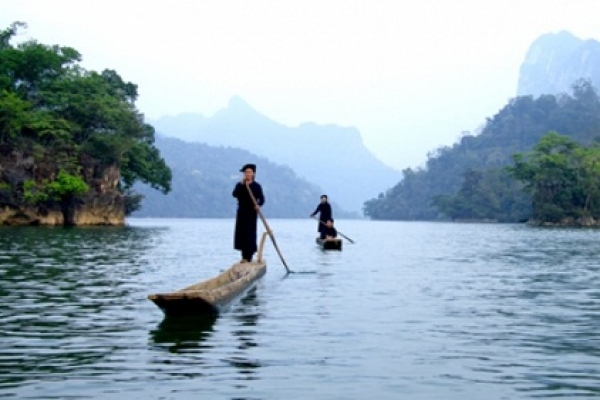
[(332, 156), (238, 109), (555, 61), (239, 106)]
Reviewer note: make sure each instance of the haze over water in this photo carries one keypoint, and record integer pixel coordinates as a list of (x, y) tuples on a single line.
[(411, 310)]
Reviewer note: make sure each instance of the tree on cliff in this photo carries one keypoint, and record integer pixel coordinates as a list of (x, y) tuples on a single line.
[(72, 121)]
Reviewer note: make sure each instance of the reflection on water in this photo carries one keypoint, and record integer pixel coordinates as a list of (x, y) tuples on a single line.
[(183, 333), (195, 336), (421, 311), (244, 333)]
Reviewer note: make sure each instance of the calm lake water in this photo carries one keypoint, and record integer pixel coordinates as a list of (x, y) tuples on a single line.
[(411, 310)]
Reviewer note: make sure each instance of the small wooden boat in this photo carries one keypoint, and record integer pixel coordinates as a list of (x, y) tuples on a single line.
[(330, 244), (215, 295)]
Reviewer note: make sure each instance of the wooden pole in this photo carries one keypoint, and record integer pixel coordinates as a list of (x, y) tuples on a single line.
[(341, 234), (262, 217)]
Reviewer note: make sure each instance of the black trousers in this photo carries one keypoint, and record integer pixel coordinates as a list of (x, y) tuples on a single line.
[(247, 254)]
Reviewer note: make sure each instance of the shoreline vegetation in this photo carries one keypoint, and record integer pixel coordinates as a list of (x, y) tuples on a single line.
[(73, 144), (72, 141), (536, 160)]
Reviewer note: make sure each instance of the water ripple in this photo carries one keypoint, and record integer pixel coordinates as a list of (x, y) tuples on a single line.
[(416, 310)]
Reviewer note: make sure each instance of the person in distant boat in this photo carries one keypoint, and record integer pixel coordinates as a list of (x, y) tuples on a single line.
[(325, 213), (247, 212), (329, 232)]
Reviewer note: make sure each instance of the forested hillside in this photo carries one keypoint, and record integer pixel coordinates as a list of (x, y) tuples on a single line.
[(332, 157), (477, 162), (204, 177)]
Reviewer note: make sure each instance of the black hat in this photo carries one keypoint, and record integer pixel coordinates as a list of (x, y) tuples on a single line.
[(251, 166)]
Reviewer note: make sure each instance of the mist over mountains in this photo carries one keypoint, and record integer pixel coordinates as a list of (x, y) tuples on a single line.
[(204, 177), (335, 160), (557, 89), (555, 61), (332, 157)]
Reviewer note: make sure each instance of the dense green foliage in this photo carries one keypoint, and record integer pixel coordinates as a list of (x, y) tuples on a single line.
[(52, 108), (489, 195), (562, 177), (466, 181), (64, 187)]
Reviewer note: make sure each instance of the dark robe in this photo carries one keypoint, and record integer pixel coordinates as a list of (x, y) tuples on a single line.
[(325, 213), (327, 231), (245, 219)]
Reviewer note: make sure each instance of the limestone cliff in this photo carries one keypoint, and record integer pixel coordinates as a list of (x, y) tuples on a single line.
[(103, 204), (555, 61)]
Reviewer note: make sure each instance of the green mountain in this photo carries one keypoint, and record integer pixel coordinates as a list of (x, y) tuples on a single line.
[(204, 177), (332, 157), (474, 165), (556, 92)]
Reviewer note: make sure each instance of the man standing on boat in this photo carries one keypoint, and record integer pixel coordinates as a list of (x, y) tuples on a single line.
[(325, 214), (247, 212)]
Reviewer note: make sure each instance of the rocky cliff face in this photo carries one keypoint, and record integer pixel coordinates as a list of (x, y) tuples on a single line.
[(555, 61), (102, 205)]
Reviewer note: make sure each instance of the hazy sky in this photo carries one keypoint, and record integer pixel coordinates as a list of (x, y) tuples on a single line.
[(410, 76)]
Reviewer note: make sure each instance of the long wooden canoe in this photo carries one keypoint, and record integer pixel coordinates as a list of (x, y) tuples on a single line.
[(215, 295), (330, 244)]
